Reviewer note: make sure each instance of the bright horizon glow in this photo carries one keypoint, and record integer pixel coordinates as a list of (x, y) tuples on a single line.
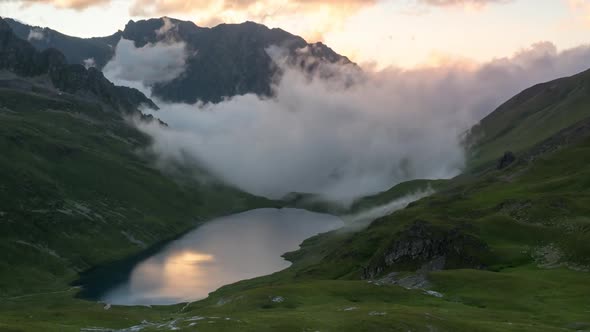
[(384, 33)]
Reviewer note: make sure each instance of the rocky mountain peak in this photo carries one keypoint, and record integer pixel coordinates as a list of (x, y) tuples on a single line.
[(234, 56), (21, 58)]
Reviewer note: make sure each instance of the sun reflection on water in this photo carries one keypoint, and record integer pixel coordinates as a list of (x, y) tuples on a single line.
[(223, 251)]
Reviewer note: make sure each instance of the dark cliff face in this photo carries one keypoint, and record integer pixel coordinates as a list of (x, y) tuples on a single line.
[(21, 58), (224, 61), (76, 79), (227, 60)]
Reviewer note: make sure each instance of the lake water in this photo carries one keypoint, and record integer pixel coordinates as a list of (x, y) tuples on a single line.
[(221, 252)]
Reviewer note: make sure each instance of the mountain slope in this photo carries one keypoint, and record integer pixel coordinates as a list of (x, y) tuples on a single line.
[(502, 249), (52, 73), (77, 185), (224, 61), (507, 250), (530, 117), (76, 50)]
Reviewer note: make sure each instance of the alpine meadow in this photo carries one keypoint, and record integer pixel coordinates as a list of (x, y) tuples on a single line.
[(294, 165)]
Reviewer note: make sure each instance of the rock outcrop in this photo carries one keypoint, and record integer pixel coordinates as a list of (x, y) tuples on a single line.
[(507, 159), (423, 242)]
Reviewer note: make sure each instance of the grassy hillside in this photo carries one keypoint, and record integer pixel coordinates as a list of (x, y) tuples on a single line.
[(516, 258), (530, 117), (397, 192), (77, 191), (494, 250)]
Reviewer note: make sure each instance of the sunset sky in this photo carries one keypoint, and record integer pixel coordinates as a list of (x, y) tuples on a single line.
[(405, 33)]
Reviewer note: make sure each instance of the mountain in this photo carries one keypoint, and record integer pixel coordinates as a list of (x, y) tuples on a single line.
[(78, 186), (76, 50), (224, 61), (506, 248), (529, 117), (502, 248), (20, 58)]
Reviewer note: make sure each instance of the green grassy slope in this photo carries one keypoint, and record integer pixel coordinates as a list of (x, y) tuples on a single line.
[(518, 261), (493, 250), (531, 116), (77, 191), (530, 274), (397, 192)]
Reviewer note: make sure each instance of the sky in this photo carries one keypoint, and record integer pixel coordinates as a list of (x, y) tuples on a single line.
[(379, 33)]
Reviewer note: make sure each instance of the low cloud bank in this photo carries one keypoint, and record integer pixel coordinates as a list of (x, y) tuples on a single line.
[(342, 137), (369, 215), (319, 136)]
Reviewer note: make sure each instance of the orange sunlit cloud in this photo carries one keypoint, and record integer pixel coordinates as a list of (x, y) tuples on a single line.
[(312, 17), (581, 8), (468, 3), (406, 33), (72, 4)]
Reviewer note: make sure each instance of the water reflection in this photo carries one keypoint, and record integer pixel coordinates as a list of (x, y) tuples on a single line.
[(221, 252)]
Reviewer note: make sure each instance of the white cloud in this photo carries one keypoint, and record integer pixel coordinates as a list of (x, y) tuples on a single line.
[(71, 4), (317, 136), (36, 34), (89, 63), (388, 208), (143, 67), (469, 3), (334, 138)]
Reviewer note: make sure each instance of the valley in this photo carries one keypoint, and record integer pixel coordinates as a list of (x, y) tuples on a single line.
[(100, 232)]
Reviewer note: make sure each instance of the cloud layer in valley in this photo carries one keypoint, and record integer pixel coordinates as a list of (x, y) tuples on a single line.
[(330, 137), (388, 208)]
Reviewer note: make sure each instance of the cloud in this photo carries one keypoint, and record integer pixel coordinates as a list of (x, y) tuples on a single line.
[(71, 4), (344, 137), (310, 18), (467, 3), (35, 34), (318, 136), (379, 211), (166, 27), (89, 63), (166, 7), (143, 67), (581, 12)]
